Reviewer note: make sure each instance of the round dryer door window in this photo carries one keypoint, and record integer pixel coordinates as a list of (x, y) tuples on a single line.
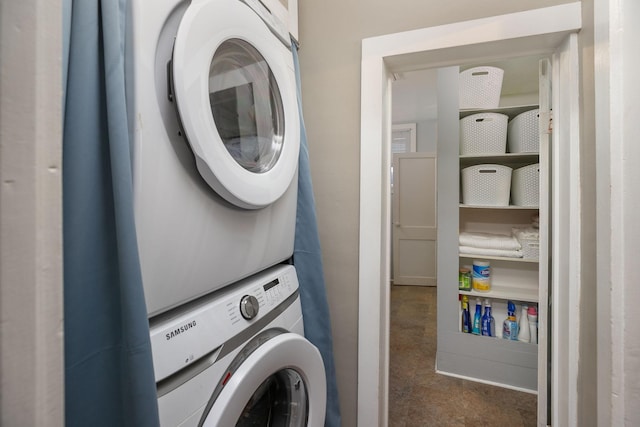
[(246, 105), (235, 90)]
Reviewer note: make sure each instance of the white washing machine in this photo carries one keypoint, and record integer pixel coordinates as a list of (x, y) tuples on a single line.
[(238, 357), (214, 122)]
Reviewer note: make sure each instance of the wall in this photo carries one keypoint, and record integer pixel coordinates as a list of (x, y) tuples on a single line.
[(427, 136), (31, 335), (331, 32), (587, 366)]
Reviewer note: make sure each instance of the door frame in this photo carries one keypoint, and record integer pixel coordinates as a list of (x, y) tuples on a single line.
[(517, 34)]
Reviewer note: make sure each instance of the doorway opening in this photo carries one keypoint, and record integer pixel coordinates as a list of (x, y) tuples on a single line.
[(525, 33), (416, 388)]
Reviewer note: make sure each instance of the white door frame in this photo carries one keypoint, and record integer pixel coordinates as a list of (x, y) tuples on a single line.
[(618, 201), (524, 33)]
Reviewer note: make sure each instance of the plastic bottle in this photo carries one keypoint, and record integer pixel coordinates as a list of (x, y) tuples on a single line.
[(464, 279), (466, 315), (532, 314), (523, 325), (481, 276), (488, 322), (477, 319), (510, 326)]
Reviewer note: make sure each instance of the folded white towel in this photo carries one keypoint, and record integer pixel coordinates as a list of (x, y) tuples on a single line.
[(468, 250), (526, 233), (488, 241)]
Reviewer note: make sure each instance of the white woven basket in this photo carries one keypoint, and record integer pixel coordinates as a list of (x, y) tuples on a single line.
[(480, 87), (522, 133), (483, 133), (525, 186), (486, 185)]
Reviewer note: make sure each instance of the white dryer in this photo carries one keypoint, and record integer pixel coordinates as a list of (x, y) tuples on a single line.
[(238, 357), (214, 122)]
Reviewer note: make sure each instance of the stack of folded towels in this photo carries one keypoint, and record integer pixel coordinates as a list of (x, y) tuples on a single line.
[(489, 244), (529, 239)]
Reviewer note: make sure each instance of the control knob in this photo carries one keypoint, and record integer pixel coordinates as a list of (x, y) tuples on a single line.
[(249, 307)]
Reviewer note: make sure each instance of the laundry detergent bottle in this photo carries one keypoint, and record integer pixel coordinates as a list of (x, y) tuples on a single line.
[(477, 319), (488, 322)]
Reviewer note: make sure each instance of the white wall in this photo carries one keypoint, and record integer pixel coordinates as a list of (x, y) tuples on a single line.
[(587, 377), (414, 100), (31, 339), (331, 32)]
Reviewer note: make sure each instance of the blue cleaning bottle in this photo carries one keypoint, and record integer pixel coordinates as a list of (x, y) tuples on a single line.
[(510, 326), (488, 322), (477, 319)]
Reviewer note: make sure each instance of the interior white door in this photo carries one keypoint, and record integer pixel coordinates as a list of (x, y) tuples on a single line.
[(560, 224), (414, 219), (544, 359)]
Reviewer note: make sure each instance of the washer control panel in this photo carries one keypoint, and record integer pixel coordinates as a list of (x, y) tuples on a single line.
[(184, 335)]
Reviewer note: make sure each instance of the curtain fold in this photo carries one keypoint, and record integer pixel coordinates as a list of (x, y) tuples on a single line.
[(307, 258), (109, 378)]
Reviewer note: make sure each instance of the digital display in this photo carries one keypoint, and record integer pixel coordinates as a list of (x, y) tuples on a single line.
[(271, 284)]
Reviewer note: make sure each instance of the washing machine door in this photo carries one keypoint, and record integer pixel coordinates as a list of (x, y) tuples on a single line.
[(277, 380), (234, 86)]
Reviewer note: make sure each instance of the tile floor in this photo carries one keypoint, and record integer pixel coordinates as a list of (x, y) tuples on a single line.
[(419, 397)]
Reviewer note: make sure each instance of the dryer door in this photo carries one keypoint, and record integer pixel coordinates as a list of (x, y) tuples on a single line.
[(234, 86), (275, 381)]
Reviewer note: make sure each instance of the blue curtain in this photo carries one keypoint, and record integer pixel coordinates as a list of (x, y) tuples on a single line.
[(307, 259), (109, 378)]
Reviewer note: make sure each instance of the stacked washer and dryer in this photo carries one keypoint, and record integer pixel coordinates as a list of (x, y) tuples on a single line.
[(215, 128)]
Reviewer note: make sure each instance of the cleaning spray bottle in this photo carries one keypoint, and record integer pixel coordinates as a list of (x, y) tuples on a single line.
[(524, 334), (510, 326), (477, 319), (532, 315), (466, 315), (488, 322)]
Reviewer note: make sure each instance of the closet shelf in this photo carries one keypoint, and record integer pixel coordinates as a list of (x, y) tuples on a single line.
[(522, 346), (509, 207), (500, 258), (506, 293), (509, 111), (507, 159)]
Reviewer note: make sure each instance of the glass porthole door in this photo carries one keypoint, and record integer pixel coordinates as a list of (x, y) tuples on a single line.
[(235, 93), (281, 382), (246, 105)]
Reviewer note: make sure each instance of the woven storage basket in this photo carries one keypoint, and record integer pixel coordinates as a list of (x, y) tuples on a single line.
[(486, 185), (522, 133), (483, 133), (480, 87), (525, 186), (530, 248)]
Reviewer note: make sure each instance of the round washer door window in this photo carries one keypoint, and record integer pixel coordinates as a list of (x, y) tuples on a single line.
[(246, 105), (278, 379), (281, 400), (235, 91)]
